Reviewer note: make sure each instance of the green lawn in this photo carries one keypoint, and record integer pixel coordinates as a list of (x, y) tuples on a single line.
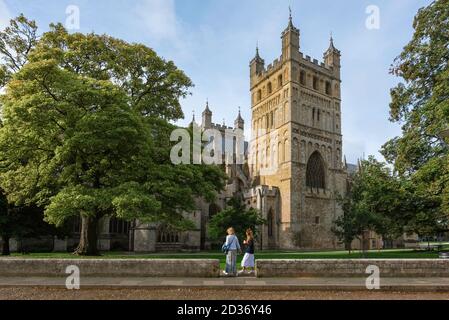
[(384, 254)]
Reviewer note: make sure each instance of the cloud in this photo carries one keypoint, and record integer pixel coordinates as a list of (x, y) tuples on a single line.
[(159, 17), (5, 15)]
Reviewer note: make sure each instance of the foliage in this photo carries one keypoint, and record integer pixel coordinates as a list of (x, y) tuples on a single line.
[(372, 204), (420, 103), (85, 132), (237, 216)]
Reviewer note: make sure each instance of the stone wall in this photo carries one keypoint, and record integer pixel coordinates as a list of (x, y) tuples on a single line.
[(11, 267), (352, 268)]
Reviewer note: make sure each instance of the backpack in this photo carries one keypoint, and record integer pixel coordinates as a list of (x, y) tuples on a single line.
[(225, 248)]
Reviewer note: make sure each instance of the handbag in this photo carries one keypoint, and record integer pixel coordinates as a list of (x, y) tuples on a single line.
[(225, 248)]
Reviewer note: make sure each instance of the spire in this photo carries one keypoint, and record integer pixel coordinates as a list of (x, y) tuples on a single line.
[(332, 48), (239, 123), (239, 117), (207, 107), (290, 19), (290, 26), (207, 117), (257, 58)]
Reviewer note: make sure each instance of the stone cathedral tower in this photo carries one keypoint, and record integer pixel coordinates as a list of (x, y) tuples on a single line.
[(296, 146)]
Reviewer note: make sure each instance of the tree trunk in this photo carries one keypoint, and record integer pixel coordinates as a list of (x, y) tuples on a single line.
[(363, 246), (5, 246), (88, 237)]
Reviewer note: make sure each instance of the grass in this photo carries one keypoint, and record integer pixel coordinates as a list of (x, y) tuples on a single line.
[(383, 254)]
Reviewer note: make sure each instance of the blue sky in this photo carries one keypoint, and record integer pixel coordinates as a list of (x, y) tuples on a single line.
[(214, 40)]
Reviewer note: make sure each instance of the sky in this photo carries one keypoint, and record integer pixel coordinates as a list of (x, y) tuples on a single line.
[(214, 40)]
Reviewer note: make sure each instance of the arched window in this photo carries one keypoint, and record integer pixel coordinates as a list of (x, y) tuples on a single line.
[(328, 88), (118, 226), (213, 210), (269, 88), (315, 83), (280, 153), (302, 78), (167, 235), (259, 95), (316, 175), (270, 223), (280, 81)]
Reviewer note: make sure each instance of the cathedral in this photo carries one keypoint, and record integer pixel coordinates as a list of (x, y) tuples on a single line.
[(293, 170)]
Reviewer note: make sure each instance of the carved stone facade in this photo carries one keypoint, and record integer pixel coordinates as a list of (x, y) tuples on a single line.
[(296, 122)]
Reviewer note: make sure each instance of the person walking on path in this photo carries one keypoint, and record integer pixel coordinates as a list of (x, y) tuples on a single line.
[(248, 262), (232, 246)]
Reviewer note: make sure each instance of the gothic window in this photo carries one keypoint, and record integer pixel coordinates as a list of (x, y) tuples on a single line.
[(315, 83), (328, 88), (269, 88), (318, 115), (280, 153), (302, 78), (259, 95), (270, 223), (315, 176), (213, 210), (118, 226), (280, 81), (166, 235)]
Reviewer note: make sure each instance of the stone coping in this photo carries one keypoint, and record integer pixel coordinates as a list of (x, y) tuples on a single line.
[(352, 267), (17, 267)]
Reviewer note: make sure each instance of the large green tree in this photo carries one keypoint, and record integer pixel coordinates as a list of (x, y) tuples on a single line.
[(86, 133), (236, 215), (420, 103), (374, 203)]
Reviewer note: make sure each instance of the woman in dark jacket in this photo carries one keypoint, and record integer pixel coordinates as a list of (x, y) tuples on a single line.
[(248, 261)]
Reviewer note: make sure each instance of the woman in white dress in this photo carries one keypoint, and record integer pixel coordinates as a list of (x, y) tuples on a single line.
[(248, 262)]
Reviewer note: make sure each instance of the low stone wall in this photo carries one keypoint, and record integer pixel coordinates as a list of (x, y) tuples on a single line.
[(12, 267), (352, 268)]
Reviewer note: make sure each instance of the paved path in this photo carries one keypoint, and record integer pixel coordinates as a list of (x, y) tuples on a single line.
[(351, 284)]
